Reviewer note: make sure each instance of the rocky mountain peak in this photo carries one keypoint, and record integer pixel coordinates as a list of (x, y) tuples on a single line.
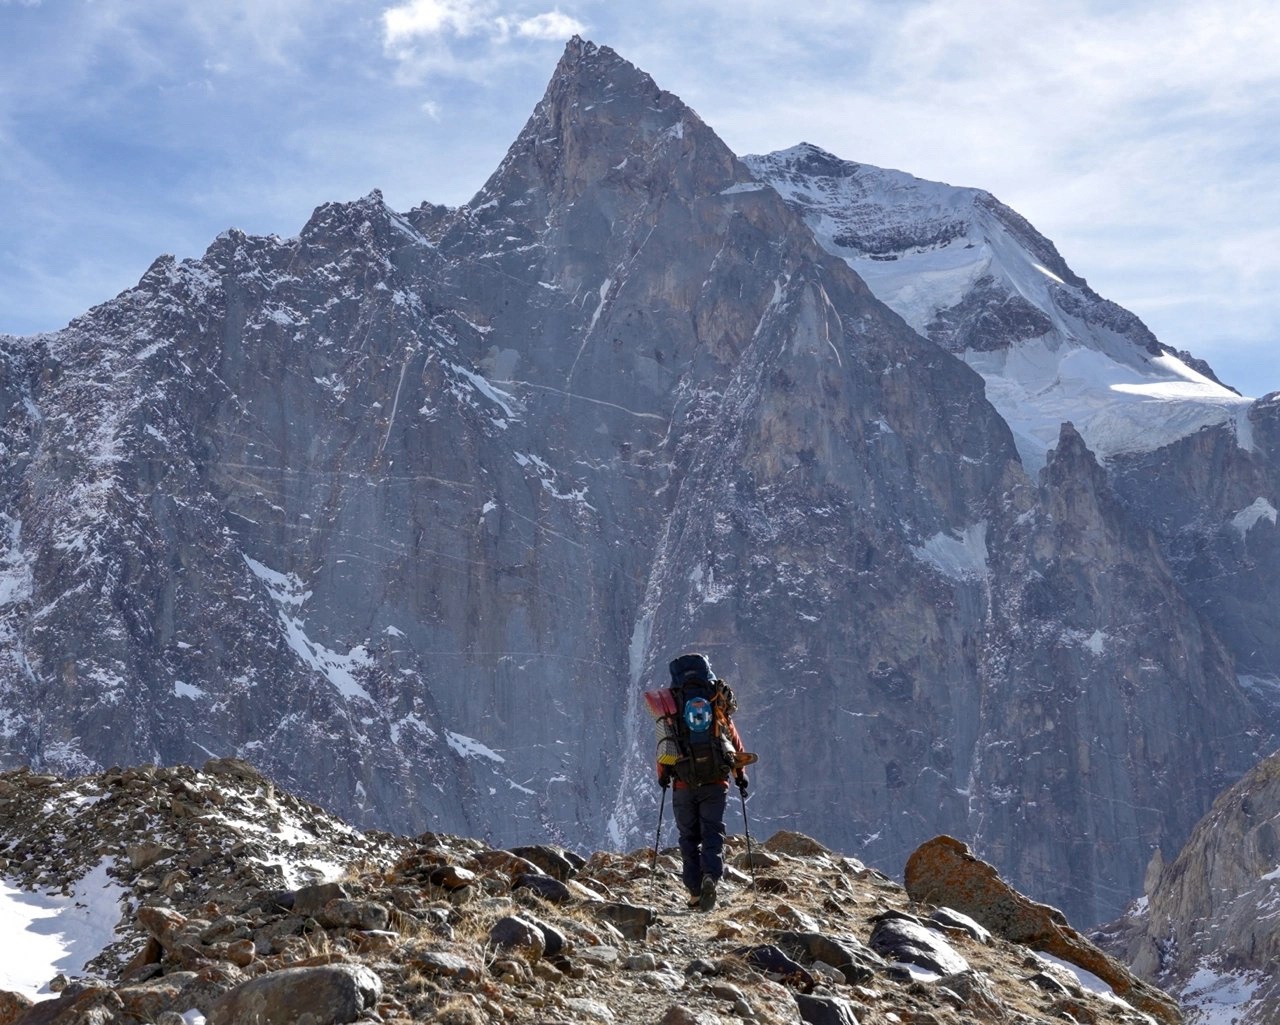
[(601, 122)]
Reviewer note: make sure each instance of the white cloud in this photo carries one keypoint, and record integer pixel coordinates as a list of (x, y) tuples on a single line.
[(551, 26), (418, 33), (419, 18)]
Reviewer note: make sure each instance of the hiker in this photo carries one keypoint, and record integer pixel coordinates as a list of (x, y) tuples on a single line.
[(698, 750)]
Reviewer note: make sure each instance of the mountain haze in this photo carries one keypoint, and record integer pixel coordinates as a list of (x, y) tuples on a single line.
[(408, 510)]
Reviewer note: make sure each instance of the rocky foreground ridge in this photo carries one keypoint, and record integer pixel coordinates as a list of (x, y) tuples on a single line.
[(240, 903)]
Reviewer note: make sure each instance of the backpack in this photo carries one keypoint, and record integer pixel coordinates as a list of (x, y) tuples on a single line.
[(706, 753), (692, 718)]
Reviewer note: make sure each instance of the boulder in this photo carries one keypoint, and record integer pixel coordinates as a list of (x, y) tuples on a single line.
[(438, 962), (78, 1005), (898, 937), (513, 932), (632, 920), (12, 1005), (451, 877), (976, 995), (825, 1010), (555, 941), (162, 924), (949, 918), (343, 913), (678, 1014), (310, 900), (147, 1000), (943, 871), (551, 860), (856, 962), (324, 995), (545, 886), (771, 960), (144, 855), (505, 862), (786, 841)]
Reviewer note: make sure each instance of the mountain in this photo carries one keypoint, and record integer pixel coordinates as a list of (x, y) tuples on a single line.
[(162, 895), (975, 277), (409, 509), (1206, 927), (1188, 456)]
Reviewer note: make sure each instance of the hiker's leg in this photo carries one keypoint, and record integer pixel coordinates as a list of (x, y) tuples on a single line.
[(687, 821), (711, 805)]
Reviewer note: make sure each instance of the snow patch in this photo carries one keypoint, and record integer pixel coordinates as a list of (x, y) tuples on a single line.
[(1243, 521), (187, 690), (1116, 406), (410, 723), (42, 935), (504, 400), (339, 669), (16, 574), (469, 747), (604, 297), (1218, 998), (960, 557), (1095, 642), (1102, 378)]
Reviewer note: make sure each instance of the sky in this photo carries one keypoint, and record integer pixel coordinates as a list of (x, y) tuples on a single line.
[(1142, 137)]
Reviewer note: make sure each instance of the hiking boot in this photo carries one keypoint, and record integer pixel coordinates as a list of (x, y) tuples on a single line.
[(707, 898), (694, 902)]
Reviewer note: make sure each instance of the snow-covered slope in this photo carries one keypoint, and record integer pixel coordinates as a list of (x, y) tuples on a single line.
[(969, 273)]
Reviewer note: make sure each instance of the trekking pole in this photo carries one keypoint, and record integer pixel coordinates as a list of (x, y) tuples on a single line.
[(657, 840), (751, 862)]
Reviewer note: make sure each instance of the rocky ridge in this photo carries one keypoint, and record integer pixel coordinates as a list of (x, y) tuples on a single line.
[(1207, 928), (239, 903)]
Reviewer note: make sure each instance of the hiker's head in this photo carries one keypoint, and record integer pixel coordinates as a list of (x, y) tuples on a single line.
[(691, 667)]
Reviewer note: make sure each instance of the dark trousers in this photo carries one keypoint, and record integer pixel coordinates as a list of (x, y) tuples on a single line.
[(699, 815)]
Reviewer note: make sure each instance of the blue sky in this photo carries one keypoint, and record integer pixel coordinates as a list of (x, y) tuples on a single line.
[(1142, 137)]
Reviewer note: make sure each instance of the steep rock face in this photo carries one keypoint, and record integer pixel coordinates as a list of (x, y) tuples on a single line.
[(1206, 930), (1157, 565), (409, 509), (1104, 666), (1212, 499)]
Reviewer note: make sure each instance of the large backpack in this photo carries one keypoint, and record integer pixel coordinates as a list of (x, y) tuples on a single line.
[(702, 706), (705, 748)]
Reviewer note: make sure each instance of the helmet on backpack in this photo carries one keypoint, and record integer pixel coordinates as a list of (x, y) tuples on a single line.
[(691, 667)]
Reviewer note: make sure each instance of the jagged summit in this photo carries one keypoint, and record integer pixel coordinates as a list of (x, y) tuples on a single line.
[(602, 122)]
